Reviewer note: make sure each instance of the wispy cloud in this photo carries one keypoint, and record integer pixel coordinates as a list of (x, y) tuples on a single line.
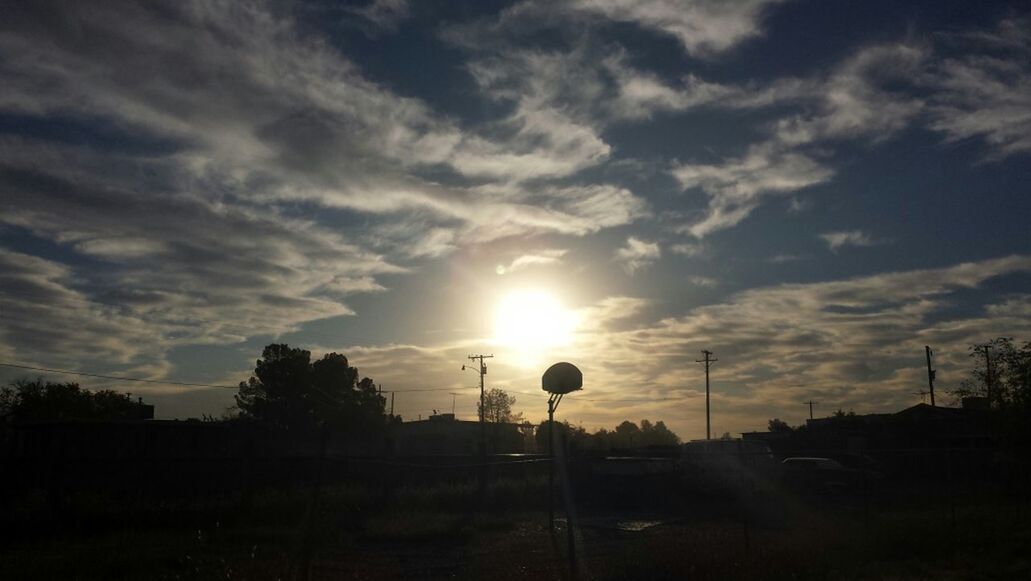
[(195, 211), (703, 281), (703, 27), (852, 343), (735, 187), (539, 258), (637, 254), (782, 258), (836, 240), (851, 102), (987, 93), (688, 249), (784, 342), (385, 14)]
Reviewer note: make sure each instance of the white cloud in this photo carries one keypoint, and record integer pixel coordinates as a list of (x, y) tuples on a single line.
[(640, 94), (703, 27), (782, 258), (836, 240), (543, 257), (385, 14), (854, 343), (296, 120), (853, 101), (736, 186), (986, 93), (637, 254), (703, 281), (688, 249)]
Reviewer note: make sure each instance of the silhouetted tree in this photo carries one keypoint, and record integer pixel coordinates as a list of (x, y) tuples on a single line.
[(627, 435), (573, 437), (289, 392), (497, 406), (39, 400), (1009, 379), (657, 434), (777, 425)]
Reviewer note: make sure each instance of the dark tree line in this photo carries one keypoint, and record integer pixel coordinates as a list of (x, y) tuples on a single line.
[(289, 391), (625, 436), (38, 400)]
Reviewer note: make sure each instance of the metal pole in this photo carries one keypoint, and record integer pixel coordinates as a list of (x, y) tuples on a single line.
[(483, 371), (708, 424), (483, 412), (707, 360), (810, 404), (551, 463), (930, 373)]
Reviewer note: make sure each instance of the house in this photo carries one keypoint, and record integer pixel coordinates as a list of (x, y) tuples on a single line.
[(918, 440), (444, 434)]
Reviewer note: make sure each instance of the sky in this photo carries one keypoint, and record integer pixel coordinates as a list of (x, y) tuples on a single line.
[(813, 191)]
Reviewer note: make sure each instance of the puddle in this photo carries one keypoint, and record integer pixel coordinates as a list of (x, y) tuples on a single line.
[(633, 524)]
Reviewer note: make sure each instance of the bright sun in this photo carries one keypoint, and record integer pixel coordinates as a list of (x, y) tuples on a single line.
[(533, 320)]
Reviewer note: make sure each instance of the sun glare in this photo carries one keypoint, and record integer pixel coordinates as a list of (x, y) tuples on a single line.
[(532, 320)]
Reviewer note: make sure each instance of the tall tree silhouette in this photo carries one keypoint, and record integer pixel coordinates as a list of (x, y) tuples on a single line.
[(497, 407), (289, 392)]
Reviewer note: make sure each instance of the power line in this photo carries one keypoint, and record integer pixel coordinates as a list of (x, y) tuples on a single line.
[(427, 389), (414, 390), (930, 373), (185, 383), (116, 378)]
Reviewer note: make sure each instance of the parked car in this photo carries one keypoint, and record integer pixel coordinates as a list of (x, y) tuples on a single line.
[(809, 474), (727, 464)]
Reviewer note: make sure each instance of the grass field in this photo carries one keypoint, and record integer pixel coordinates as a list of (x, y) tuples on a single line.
[(441, 531)]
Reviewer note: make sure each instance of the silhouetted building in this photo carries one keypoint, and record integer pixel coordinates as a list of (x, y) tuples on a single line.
[(445, 434), (918, 440)]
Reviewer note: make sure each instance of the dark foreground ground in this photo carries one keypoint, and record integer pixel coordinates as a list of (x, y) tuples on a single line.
[(441, 531)]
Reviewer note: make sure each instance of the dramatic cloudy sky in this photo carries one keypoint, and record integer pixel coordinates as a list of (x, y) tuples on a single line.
[(813, 190)]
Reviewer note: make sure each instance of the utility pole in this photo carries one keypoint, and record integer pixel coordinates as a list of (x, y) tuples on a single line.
[(453, 396), (483, 429), (482, 371), (708, 360), (810, 404), (391, 405), (930, 373), (988, 372)]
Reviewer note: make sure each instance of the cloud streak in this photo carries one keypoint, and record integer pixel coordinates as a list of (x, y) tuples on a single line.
[(837, 240), (637, 254)]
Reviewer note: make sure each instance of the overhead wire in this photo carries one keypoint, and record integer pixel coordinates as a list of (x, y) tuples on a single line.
[(187, 383), (412, 390), (115, 377)]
